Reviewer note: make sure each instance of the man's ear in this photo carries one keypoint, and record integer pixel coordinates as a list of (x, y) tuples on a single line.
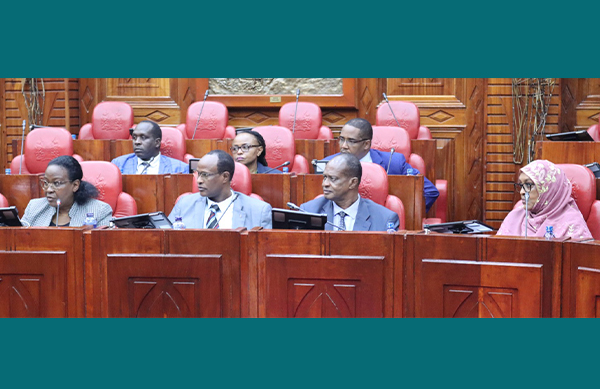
[(354, 183)]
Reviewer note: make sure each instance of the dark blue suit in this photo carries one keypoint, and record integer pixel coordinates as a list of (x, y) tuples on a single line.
[(260, 168), (398, 166), (128, 165)]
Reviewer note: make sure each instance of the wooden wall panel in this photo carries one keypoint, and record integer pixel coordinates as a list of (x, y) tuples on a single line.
[(61, 109), (498, 194), (580, 103)]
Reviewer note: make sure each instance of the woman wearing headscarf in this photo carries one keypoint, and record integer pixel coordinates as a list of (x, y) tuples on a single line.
[(550, 204)]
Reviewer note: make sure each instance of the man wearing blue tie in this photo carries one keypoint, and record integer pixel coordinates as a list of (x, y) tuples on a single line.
[(146, 157)]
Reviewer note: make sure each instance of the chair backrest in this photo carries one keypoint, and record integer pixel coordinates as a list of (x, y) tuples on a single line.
[(594, 132), (584, 186), (280, 145), (106, 177), (387, 137), (374, 183), (112, 120), (43, 145), (308, 119), (3, 201), (172, 143), (213, 121), (406, 112)]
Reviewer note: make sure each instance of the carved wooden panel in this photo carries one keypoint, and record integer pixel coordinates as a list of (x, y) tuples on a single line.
[(588, 292), (60, 108), (315, 286), (33, 284), (581, 280), (500, 171), (453, 288), (580, 100), (163, 100), (164, 285)]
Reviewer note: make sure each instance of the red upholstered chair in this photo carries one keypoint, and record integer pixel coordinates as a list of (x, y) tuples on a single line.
[(106, 177), (41, 146), (212, 124), (594, 132), (407, 114), (241, 182), (584, 193), (173, 144), (3, 201), (308, 121), (110, 120), (374, 186), (281, 148), (385, 138)]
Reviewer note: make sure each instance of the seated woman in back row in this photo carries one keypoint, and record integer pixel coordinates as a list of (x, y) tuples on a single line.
[(550, 204), (245, 150), (62, 182)]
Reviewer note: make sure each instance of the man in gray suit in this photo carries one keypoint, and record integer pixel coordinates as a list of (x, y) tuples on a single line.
[(217, 205), (342, 203)]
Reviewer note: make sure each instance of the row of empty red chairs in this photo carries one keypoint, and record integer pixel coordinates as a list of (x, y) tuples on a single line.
[(113, 119)]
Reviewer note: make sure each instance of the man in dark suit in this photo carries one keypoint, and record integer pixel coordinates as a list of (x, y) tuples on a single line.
[(342, 203), (146, 157), (355, 138), (217, 205)]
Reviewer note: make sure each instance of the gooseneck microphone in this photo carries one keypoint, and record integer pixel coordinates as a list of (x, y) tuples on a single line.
[(526, 212), (297, 208), (296, 110), (200, 114), (390, 161), (392, 111), (286, 163), (22, 141), (57, 209)]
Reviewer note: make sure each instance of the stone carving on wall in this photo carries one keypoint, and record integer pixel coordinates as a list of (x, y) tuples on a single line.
[(275, 86)]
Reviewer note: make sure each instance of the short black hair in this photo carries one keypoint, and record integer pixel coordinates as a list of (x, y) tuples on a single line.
[(352, 166), (366, 130), (86, 190), (225, 162), (156, 132), (262, 158)]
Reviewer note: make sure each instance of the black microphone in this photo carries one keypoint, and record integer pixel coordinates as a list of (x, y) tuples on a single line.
[(57, 209), (388, 102), (297, 208), (223, 214), (286, 163), (201, 108), (22, 141), (296, 110), (390, 161)]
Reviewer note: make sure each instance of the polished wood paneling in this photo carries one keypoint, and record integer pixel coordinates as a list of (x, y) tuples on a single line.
[(581, 280), (580, 100)]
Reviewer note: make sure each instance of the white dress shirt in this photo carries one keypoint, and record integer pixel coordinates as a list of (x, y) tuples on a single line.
[(152, 169), (367, 158), (350, 218), (225, 220)]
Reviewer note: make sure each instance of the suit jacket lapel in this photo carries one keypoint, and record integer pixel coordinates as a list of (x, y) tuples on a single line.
[(239, 215), (362, 222), (328, 209), (376, 158)]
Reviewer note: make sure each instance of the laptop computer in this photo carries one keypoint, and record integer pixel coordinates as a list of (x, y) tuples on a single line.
[(573, 136), (144, 220)]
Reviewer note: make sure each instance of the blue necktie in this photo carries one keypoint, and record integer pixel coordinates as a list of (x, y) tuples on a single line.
[(212, 218)]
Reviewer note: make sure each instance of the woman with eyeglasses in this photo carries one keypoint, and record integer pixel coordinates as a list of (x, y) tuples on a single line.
[(249, 148), (549, 203), (68, 194)]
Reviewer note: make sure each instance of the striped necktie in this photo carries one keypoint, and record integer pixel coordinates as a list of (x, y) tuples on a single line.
[(212, 218), (146, 165), (342, 221)]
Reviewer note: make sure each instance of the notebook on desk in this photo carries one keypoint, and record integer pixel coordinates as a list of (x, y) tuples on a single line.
[(573, 136)]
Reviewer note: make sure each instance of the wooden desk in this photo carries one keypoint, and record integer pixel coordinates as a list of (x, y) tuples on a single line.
[(409, 189), (163, 273), (19, 189), (581, 279), (319, 274), (41, 272), (580, 153), (481, 276)]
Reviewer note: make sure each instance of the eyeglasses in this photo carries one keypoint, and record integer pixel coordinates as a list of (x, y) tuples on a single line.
[(528, 186), (205, 175), (245, 148), (350, 141), (56, 184)]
